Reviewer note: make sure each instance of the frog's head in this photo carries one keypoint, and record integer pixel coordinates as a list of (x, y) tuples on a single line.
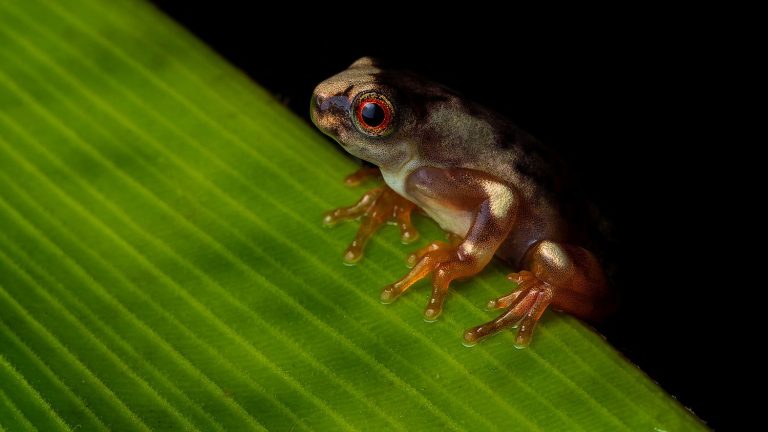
[(374, 114)]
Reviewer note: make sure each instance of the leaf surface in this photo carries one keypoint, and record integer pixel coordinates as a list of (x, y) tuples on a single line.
[(163, 265)]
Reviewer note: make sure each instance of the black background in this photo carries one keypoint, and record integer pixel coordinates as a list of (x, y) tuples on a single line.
[(622, 99)]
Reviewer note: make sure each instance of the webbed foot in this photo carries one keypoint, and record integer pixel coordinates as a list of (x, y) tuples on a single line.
[(446, 262), (376, 207), (524, 306)]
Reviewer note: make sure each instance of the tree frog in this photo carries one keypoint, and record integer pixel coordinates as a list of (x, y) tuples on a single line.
[(496, 190)]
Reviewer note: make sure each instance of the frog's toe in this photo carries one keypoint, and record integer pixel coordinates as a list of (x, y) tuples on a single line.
[(453, 241), (524, 281), (445, 263), (420, 270), (416, 256), (524, 307), (342, 214), (408, 232), (368, 226)]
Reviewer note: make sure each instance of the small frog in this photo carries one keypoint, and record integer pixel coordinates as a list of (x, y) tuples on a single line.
[(493, 187)]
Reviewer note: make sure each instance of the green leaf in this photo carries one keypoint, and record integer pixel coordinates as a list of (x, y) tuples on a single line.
[(163, 264)]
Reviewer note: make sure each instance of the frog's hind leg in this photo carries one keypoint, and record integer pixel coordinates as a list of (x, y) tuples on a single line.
[(567, 277)]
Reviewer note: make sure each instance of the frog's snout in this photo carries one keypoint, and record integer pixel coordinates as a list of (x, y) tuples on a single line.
[(328, 111), (317, 100), (324, 105)]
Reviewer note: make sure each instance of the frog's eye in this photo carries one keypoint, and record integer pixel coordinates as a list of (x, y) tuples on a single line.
[(373, 114)]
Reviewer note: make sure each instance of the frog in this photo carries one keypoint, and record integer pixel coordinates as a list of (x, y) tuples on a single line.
[(496, 190)]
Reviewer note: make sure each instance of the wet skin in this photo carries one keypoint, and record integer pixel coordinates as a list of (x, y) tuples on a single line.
[(493, 187)]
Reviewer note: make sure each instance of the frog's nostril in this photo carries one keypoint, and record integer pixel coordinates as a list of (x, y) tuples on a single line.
[(315, 106), (324, 104), (317, 100)]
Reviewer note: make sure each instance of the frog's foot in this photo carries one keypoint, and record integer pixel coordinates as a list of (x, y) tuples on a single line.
[(413, 258), (376, 207), (445, 262), (524, 307)]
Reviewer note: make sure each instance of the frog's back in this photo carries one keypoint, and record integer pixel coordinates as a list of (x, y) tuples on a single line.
[(554, 205)]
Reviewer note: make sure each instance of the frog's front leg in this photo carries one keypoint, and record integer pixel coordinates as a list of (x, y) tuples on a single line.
[(375, 208), (489, 206)]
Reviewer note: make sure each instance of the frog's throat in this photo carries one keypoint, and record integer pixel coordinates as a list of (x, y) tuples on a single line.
[(410, 156)]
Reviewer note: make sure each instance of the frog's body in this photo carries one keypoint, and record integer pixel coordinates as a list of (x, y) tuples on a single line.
[(478, 176)]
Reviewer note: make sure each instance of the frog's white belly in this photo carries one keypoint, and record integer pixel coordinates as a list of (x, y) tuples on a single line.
[(452, 220), (449, 219)]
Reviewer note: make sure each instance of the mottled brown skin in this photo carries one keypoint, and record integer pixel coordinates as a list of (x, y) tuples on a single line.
[(497, 190)]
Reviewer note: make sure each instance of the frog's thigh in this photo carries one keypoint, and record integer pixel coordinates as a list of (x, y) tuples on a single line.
[(575, 273)]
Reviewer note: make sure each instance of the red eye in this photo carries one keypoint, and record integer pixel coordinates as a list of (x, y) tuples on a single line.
[(374, 115)]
